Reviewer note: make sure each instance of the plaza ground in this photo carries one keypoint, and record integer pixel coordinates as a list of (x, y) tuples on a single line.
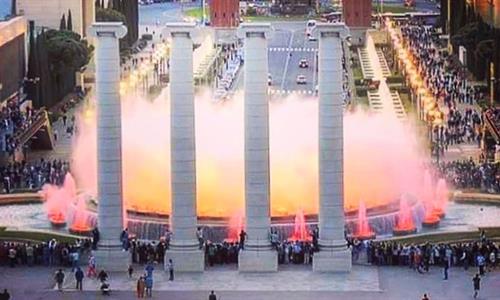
[(293, 283)]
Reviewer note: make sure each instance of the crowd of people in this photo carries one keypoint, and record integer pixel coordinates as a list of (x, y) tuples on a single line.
[(448, 83), (18, 175), (482, 254), (13, 121), (468, 174), (50, 253)]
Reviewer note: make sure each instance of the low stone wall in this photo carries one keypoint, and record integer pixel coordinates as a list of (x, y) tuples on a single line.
[(20, 198), (476, 198)]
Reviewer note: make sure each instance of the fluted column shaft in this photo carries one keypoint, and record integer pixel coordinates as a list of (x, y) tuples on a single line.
[(182, 132), (109, 131), (256, 140), (331, 194)]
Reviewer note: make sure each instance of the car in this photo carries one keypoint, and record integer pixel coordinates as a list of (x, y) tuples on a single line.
[(301, 79), (303, 63), (269, 80)]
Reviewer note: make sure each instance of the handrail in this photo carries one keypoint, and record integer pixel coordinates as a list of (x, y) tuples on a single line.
[(40, 119), (491, 125)]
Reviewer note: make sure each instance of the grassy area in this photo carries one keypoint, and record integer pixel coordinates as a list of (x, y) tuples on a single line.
[(396, 9), (35, 236), (197, 12)]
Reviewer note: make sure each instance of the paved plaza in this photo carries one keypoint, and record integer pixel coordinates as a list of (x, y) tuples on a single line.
[(292, 283)]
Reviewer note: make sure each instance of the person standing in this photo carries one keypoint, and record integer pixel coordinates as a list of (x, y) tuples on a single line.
[(476, 280), (446, 266), (170, 267), (481, 261), (5, 295), (149, 286), (91, 271), (79, 278), (425, 297), (59, 278), (243, 236), (141, 285), (212, 296)]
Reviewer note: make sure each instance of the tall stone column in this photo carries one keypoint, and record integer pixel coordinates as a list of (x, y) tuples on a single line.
[(184, 248), (109, 256), (257, 255), (333, 255)]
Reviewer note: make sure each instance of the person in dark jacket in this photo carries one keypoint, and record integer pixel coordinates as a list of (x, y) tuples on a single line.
[(79, 278), (212, 296), (476, 280)]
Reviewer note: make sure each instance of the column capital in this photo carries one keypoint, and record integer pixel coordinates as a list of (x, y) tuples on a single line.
[(114, 29), (180, 28), (338, 29), (258, 28)]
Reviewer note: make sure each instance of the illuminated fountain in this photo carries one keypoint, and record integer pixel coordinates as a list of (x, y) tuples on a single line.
[(363, 230), (431, 219), (441, 199), (58, 199), (82, 220), (234, 227), (405, 224), (300, 232)]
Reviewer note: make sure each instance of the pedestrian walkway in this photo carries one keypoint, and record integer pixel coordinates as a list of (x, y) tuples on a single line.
[(298, 279), (286, 49), (382, 100)]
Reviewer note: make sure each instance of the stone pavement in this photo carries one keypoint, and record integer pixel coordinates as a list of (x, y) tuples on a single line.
[(301, 279), (388, 283)]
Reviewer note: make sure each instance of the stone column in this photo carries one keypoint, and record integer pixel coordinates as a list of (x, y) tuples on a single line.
[(333, 255), (109, 256), (184, 248), (257, 255)]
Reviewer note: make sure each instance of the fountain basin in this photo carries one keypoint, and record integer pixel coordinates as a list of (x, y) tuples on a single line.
[(431, 221), (403, 231)]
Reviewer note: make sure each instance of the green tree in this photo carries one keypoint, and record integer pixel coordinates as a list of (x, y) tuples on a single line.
[(67, 51), (70, 21), (109, 15), (62, 25)]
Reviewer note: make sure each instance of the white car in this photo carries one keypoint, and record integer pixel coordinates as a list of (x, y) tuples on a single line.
[(301, 79)]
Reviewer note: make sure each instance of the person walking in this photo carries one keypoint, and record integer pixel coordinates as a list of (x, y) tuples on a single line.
[(59, 278), (170, 268), (141, 285), (212, 296), (79, 278), (5, 295), (425, 297), (476, 280), (91, 270)]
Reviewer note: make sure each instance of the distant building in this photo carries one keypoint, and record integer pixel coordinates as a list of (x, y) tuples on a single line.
[(357, 13), (12, 56), (358, 17), (48, 13), (224, 13)]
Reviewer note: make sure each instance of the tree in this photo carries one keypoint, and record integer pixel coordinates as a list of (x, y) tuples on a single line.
[(109, 15), (70, 21), (67, 51), (33, 68), (62, 25)]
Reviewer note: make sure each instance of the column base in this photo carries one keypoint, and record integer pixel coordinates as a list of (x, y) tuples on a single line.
[(257, 261), (332, 261), (186, 260), (112, 260)]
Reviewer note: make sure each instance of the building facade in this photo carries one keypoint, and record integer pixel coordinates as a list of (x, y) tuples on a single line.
[(225, 13), (13, 51), (357, 13), (48, 13)]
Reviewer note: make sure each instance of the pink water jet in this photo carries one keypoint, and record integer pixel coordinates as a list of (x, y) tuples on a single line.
[(79, 224), (58, 199), (429, 201), (363, 230), (405, 224), (441, 199), (300, 232), (235, 226)]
